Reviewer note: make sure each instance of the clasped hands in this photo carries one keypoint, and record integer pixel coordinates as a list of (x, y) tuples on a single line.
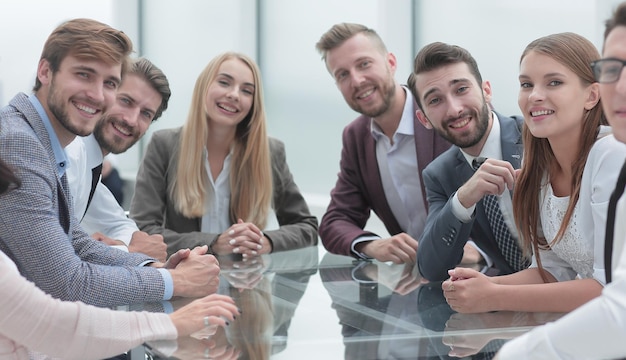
[(194, 272), (242, 238)]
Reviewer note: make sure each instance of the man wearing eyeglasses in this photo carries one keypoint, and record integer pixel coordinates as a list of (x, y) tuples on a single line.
[(602, 318)]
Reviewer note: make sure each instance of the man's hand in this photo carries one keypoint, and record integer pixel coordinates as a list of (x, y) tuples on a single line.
[(151, 245), (197, 274), (399, 249), (492, 177), (106, 240), (470, 255)]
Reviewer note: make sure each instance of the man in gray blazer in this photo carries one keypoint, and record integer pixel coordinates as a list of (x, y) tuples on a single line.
[(384, 151), (78, 74), (462, 182)]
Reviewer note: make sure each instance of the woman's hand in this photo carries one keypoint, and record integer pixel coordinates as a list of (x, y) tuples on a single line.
[(210, 310), (469, 291), (242, 238)]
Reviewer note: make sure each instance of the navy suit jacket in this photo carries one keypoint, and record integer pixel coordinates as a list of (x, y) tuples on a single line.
[(441, 244), (359, 188)]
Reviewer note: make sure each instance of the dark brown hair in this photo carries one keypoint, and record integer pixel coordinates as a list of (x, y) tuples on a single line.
[(436, 55)]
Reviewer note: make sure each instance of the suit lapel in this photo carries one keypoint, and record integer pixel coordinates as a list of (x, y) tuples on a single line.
[(31, 116), (511, 138)]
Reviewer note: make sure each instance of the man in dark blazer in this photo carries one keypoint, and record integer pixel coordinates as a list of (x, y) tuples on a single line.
[(384, 151), (454, 101)]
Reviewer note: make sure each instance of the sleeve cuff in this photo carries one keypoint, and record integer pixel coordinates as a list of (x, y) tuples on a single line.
[(168, 282)]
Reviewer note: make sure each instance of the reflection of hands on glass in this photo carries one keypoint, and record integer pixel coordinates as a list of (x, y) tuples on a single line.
[(243, 273), (216, 347), (467, 344), (401, 279)]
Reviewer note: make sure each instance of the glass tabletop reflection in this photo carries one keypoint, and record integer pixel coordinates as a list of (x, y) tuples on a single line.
[(309, 304)]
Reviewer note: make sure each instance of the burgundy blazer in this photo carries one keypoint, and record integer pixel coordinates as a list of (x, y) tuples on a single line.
[(359, 188)]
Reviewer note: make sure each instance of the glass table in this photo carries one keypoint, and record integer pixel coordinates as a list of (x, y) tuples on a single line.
[(309, 304)]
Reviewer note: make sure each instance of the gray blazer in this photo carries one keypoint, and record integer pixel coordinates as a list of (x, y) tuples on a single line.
[(39, 232), (154, 212), (441, 244)]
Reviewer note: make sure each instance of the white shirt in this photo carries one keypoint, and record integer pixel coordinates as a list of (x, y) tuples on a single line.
[(398, 166), (595, 330), (104, 215), (216, 217)]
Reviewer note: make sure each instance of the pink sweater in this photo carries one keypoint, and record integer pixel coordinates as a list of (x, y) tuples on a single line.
[(32, 320)]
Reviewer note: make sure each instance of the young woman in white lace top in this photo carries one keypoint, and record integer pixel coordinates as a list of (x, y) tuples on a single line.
[(570, 166)]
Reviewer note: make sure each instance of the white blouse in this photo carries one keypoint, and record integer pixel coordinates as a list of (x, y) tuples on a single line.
[(580, 253)]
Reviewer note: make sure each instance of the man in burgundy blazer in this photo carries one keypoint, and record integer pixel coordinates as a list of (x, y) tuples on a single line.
[(387, 137)]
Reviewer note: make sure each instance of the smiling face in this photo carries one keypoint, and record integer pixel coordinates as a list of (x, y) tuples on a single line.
[(552, 98), (77, 95), (364, 75), (130, 116), (614, 94), (455, 105), (230, 96)]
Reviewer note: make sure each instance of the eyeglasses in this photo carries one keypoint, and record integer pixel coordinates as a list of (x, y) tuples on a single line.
[(607, 71)]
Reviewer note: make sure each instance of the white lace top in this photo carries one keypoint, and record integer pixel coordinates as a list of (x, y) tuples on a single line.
[(580, 253), (572, 248)]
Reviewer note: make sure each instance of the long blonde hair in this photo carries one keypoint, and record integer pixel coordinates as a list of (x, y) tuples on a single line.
[(251, 174), (576, 53)]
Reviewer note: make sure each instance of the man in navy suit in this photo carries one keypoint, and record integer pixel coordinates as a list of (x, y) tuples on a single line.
[(384, 151), (454, 101)]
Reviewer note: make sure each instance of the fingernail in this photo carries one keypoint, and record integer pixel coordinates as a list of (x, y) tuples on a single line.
[(231, 232), (244, 255), (259, 246), (254, 252), (236, 266), (227, 323), (236, 250), (232, 241)]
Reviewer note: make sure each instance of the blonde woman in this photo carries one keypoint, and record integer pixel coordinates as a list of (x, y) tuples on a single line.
[(215, 180)]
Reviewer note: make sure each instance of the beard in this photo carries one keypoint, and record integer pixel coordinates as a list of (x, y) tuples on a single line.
[(57, 107), (114, 144), (388, 91), (469, 138)]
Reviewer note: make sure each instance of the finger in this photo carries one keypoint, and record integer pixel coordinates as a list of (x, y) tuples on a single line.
[(200, 250), (250, 247), (462, 273), (177, 257)]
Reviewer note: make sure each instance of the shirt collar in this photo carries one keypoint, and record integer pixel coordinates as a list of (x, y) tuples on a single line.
[(59, 154), (94, 151), (406, 125), (493, 146)]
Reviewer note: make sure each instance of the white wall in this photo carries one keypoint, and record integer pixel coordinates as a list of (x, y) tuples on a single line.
[(496, 33), (305, 109)]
